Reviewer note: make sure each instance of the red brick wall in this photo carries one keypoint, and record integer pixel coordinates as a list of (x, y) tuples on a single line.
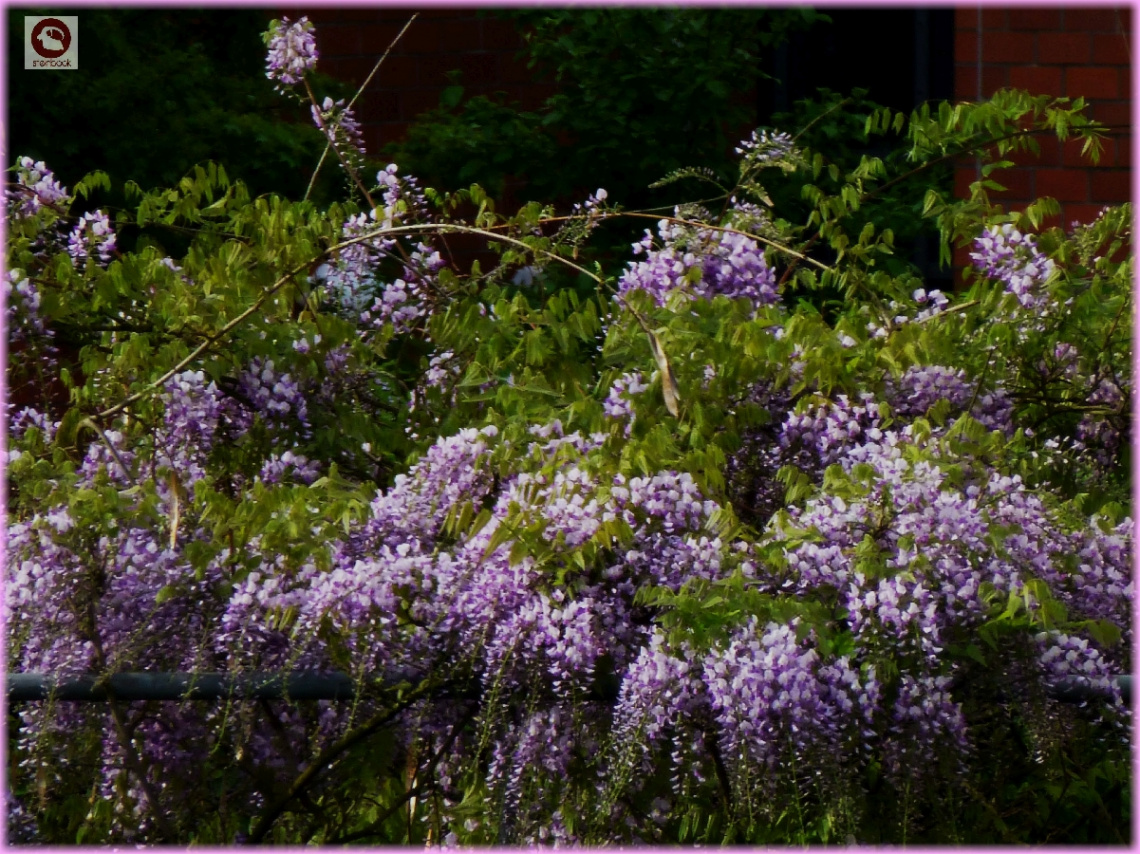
[(1074, 51), (351, 40)]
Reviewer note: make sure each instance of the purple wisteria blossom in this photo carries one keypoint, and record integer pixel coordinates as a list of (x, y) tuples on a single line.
[(92, 237), (338, 123), (1100, 433), (36, 188), (924, 713), (292, 51), (403, 197), (778, 704), (921, 386), (354, 280), (278, 397), (764, 147), (22, 300), (1005, 254), (1068, 659), (288, 465), (351, 280), (702, 263), (619, 401)]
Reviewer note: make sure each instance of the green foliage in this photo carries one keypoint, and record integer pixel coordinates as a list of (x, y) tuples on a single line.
[(622, 117)]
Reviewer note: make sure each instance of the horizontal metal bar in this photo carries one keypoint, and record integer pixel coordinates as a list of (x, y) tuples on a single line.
[(301, 685), (181, 686)]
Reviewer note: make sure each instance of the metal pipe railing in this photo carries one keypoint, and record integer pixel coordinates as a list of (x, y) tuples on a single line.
[(303, 685), (298, 685)]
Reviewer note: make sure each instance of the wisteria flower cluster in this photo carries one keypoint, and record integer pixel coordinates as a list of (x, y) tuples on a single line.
[(1012, 258), (292, 51), (92, 237), (355, 280), (764, 146), (920, 387), (36, 187), (701, 263), (338, 122), (618, 403), (23, 304)]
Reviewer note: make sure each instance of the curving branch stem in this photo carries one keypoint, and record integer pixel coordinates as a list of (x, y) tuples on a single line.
[(315, 768)]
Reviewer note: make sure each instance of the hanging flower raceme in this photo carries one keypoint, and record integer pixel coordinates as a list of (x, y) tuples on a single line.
[(619, 402), (36, 188), (22, 299), (763, 147), (292, 51), (92, 237), (338, 123), (404, 199), (1012, 258), (701, 262), (779, 704), (921, 386)]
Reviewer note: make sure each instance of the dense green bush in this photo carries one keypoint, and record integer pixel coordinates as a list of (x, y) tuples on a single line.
[(622, 116)]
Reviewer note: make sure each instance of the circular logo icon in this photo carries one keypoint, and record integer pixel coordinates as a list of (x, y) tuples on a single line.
[(51, 38)]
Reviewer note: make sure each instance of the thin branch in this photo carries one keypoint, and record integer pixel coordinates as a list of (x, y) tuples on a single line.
[(316, 172), (820, 117), (309, 776), (440, 228), (348, 167), (958, 153), (363, 86), (205, 345), (380, 61)]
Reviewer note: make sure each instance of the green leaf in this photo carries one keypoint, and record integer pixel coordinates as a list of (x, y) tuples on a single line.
[(66, 435)]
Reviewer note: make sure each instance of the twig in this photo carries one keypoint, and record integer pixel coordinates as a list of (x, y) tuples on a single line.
[(348, 167), (316, 172), (309, 776), (363, 86), (300, 268), (820, 117), (380, 61)]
